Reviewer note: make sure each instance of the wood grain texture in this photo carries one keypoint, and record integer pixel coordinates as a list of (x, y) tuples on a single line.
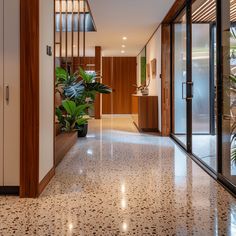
[(120, 74), (145, 112), (107, 79), (88, 61), (174, 10), (98, 61), (29, 104), (46, 180), (63, 143), (166, 79), (135, 111)]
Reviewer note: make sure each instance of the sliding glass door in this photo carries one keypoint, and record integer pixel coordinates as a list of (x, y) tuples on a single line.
[(227, 95), (194, 80), (204, 82), (179, 124), (204, 85)]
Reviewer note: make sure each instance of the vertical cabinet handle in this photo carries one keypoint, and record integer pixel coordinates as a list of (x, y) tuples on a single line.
[(7, 93)]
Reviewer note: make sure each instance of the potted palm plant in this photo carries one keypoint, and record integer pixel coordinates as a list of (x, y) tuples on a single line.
[(81, 89)]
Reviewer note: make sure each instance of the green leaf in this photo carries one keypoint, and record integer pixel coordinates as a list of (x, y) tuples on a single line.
[(82, 121), (67, 126), (69, 106), (99, 87), (88, 78), (75, 90), (61, 73), (59, 115), (232, 78), (80, 109)]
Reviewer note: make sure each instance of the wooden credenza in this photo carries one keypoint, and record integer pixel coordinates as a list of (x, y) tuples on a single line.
[(145, 112)]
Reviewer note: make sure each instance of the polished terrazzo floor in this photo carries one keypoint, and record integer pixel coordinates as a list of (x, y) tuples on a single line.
[(119, 182)]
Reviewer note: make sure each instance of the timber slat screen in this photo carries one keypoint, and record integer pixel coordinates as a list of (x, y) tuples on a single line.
[(206, 12), (71, 17)]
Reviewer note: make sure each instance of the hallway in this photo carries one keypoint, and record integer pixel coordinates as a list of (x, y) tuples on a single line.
[(119, 182)]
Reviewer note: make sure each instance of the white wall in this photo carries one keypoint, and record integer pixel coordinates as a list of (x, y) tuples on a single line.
[(153, 51), (46, 133)]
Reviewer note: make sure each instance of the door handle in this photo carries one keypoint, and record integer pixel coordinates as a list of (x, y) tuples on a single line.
[(7, 93), (190, 84), (186, 90), (183, 83)]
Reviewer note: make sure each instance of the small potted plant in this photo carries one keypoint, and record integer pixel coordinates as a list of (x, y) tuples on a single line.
[(143, 88)]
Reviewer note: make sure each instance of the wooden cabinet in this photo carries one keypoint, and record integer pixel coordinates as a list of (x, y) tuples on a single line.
[(145, 112), (9, 95)]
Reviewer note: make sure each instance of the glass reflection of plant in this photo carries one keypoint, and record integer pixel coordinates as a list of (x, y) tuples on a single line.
[(232, 94), (233, 117)]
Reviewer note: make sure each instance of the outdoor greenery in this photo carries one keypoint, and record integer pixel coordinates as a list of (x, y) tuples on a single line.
[(232, 96)]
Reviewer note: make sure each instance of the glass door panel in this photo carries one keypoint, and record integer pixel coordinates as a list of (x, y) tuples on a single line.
[(228, 94), (204, 83), (179, 124)]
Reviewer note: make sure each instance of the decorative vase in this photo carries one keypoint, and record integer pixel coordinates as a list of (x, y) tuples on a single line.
[(145, 91)]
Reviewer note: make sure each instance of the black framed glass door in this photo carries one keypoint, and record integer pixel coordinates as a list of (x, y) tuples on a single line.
[(204, 85), (227, 92), (194, 81), (179, 125), (182, 86), (204, 132)]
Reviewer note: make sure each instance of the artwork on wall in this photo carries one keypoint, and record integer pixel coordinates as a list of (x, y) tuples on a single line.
[(154, 66), (148, 70), (143, 67)]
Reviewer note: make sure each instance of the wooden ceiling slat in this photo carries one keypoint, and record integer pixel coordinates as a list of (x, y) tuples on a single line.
[(204, 10), (207, 12)]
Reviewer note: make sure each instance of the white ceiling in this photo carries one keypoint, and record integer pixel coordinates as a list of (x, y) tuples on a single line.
[(135, 19)]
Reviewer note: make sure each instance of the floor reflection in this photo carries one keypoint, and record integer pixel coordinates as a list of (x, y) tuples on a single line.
[(120, 182)]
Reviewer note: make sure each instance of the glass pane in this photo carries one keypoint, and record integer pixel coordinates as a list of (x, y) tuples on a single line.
[(179, 78), (204, 83), (229, 91)]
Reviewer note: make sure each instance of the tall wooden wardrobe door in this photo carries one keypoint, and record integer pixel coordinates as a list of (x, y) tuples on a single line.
[(10, 93), (1, 93)]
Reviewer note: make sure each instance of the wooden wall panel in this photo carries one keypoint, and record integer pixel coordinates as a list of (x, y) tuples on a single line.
[(29, 73), (123, 73), (166, 80), (89, 61), (107, 79), (98, 61), (174, 10)]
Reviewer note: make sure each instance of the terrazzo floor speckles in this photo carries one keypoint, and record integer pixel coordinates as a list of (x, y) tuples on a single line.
[(119, 182)]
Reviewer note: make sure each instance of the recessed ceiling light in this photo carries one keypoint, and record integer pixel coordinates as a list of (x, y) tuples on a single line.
[(124, 38), (122, 51), (123, 46)]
